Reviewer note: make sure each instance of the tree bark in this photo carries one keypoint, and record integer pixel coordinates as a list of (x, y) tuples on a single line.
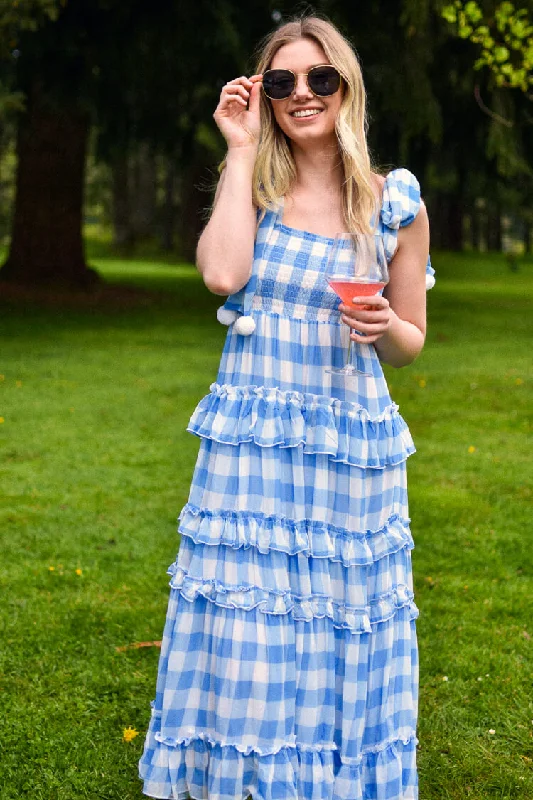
[(527, 239), (167, 239), (447, 222), (455, 223), (144, 194), (494, 229), (122, 233), (47, 243), (476, 230)]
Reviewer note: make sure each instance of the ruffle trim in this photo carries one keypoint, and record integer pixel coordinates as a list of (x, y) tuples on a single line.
[(247, 750), (271, 417), (401, 198), (317, 539), (357, 620), (201, 766)]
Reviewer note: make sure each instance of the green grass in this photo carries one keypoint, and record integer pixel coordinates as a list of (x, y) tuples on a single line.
[(96, 465)]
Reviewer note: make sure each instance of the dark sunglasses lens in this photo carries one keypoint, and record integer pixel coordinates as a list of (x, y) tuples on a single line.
[(324, 81), (278, 83)]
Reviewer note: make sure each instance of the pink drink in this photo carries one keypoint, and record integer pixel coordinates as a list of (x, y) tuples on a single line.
[(348, 289)]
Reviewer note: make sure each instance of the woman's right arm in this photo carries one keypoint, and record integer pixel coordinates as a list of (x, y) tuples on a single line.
[(226, 247)]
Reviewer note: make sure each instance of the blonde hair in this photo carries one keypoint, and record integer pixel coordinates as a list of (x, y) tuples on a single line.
[(275, 170)]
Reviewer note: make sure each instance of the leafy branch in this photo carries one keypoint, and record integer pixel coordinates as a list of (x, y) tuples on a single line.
[(506, 41), (17, 16)]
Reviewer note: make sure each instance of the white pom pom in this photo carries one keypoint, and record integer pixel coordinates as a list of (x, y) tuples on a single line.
[(430, 281), (226, 316), (245, 326)]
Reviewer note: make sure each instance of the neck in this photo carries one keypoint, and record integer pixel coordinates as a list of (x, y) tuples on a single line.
[(318, 168)]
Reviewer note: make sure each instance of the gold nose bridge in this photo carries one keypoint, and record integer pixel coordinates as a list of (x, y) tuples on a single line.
[(303, 75)]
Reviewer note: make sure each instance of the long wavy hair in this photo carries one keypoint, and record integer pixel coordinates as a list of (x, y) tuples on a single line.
[(275, 170)]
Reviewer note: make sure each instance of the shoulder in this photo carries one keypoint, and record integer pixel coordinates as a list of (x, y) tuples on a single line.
[(378, 182)]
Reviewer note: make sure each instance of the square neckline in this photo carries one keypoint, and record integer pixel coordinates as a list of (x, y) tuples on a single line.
[(280, 225)]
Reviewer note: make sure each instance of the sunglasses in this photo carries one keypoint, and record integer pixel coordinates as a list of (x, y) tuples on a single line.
[(323, 80)]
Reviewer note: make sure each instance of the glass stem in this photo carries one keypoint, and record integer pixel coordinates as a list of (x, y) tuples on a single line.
[(349, 351)]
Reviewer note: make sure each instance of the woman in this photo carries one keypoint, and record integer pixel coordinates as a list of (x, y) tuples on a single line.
[(289, 663)]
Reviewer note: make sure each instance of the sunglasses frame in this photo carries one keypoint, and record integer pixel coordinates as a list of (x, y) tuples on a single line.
[(306, 75)]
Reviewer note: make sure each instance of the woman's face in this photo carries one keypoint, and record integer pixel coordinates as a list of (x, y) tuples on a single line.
[(300, 57)]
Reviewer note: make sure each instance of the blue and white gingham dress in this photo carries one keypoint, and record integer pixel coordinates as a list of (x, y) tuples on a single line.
[(289, 661)]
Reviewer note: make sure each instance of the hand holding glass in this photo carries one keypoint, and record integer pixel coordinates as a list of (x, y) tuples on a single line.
[(357, 267)]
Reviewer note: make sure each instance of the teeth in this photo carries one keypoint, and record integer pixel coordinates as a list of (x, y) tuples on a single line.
[(307, 113)]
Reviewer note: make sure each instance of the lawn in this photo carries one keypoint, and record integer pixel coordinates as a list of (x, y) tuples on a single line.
[(96, 465)]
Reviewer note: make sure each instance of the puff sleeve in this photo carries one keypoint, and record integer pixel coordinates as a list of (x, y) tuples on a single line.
[(401, 204)]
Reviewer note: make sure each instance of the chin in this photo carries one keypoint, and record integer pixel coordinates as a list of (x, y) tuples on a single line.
[(325, 135)]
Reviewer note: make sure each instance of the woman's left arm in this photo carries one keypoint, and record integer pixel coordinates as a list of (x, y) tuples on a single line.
[(396, 321)]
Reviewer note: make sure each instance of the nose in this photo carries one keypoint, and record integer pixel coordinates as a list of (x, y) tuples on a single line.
[(301, 90)]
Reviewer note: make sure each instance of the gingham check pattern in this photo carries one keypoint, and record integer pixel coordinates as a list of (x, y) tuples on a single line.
[(289, 661)]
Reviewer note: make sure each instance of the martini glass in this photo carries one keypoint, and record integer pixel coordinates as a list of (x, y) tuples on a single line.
[(357, 267)]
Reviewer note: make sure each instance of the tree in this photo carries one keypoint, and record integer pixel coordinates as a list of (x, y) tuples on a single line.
[(144, 73), (503, 38)]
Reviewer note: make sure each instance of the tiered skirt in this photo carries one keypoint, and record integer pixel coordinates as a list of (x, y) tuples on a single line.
[(289, 660)]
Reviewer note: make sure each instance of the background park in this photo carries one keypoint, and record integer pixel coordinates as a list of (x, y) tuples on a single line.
[(109, 338)]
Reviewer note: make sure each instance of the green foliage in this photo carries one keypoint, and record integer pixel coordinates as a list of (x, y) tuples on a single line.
[(16, 17), (506, 40), (24, 15)]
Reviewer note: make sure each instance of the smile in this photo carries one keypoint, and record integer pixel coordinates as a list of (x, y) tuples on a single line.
[(306, 112)]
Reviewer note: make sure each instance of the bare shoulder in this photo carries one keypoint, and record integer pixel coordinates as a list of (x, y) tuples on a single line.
[(417, 232), (379, 180)]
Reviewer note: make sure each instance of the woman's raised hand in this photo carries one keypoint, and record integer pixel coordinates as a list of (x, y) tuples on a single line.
[(237, 113)]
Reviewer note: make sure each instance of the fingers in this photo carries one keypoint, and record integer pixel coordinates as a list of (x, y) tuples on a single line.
[(373, 300), (369, 328), (370, 309), (360, 315), (241, 91), (370, 322), (255, 97), (234, 93), (356, 337)]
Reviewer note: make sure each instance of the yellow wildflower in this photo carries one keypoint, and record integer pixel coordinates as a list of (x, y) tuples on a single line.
[(129, 734), (471, 449), (1, 420), (519, 382), (51, 569), (422, 383), (78, 571)]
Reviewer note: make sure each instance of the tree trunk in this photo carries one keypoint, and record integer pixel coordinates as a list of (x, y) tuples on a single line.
[(122, 233), (195, 199), (144, 194), (455, 223), (494, 229), (447, 222), (527, 238), (47, 242), (167, 239), (476, 230)]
